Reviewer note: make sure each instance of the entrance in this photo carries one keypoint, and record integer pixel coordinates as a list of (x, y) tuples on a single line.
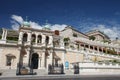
[(34, 60)]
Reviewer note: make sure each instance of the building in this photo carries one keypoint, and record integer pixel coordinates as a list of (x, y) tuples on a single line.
[(43, 47)]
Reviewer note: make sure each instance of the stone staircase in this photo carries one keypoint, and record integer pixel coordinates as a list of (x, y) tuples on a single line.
[(9, 72)]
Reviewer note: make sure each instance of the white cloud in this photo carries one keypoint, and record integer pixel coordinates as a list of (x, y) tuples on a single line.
[(35, 25), (58, 27), (112, 32), (15, 25), (18, 20)]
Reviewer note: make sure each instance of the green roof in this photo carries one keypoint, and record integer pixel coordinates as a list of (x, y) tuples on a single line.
[(26, 23)]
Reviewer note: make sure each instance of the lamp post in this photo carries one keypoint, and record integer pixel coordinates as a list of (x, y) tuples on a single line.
[(30, 57), (19, 65)]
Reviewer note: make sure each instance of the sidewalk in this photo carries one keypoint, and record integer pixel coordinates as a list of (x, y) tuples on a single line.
[(41, 73)]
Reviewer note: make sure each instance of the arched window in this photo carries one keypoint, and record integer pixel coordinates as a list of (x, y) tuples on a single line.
[(9, 58), (33, 37), (25, 37), (47, 40), (39, 39)]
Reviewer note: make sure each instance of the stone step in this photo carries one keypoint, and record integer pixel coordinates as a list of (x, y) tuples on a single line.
[(69, 72), (12, 72)]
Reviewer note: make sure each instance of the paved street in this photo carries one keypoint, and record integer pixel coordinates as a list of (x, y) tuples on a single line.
[(64, 77)]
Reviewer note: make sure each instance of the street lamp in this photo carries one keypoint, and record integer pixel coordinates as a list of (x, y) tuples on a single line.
[(19, 65)]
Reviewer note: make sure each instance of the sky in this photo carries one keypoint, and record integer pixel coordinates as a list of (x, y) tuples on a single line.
[(83, 15)]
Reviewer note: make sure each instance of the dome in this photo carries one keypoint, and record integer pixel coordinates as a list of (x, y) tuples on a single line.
[(46, 27), (26, 23)]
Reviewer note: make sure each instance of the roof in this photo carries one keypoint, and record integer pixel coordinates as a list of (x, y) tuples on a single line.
[(12, 33), (94, 31), (75, 30)]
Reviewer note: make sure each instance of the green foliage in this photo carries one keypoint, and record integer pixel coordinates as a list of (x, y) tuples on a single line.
[(91, 37), (12, 38), (66, 39), (105, 41)]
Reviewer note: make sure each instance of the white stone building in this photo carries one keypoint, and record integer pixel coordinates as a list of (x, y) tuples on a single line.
[(43, 47)]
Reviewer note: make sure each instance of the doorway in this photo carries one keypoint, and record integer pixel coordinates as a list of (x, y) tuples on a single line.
[(34, 60)]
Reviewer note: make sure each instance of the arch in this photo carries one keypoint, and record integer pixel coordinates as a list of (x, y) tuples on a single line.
[(39, 39), (34, 61), (47, 39), (25, 35), (33, 37)]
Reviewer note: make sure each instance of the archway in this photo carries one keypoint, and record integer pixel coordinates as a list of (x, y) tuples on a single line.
[(25, 37), (35, 60)]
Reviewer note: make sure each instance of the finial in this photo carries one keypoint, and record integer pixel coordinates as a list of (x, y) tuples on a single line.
[(26, 18), (46, 22)]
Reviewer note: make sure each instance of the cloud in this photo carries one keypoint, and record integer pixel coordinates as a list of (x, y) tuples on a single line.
[(58, 27), (35, 25), (18, 20), (112, 32)]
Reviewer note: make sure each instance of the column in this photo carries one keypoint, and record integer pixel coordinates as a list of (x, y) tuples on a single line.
[(43, 39), (89, 46), (43, 60), (79, 46), (1, 57), (84, 46), (3, 33), (105, 50), (117, 51), (27, 56), (93, 47), (98, 48), (102, 49), (20, 38), (29, 38), (50, 40), (40, 61), (36, 39)]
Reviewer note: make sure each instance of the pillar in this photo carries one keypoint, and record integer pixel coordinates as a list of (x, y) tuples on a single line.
[(29, 38), (93, 47), (102, 49), (40, 61), (43, 39), (3, 33), (20, 38), (98, 48), (43, 60), (105, 50), (36, 39), (89, 46), (50, 40)]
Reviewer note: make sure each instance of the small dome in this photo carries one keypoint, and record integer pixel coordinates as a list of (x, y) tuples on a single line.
[(46, 27), (25, 23)]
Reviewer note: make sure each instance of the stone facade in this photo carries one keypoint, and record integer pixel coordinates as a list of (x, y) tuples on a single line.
[(44, 47)]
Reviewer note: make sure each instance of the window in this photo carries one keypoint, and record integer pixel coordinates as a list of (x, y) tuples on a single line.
[(33, 37), (47, 40), (25, 37), (8, 60), (75, 35), (39, 39)]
